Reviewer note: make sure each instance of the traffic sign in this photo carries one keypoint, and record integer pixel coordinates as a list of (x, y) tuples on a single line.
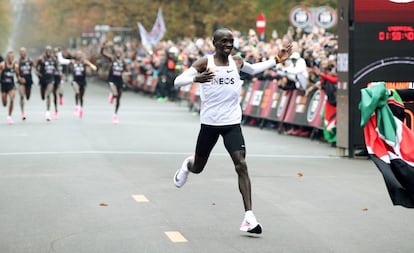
[(261, 24)]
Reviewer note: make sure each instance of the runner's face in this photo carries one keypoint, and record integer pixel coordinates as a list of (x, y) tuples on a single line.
[(224, 43), (10, 57), (118, 54), (48, 52), (23, 54)]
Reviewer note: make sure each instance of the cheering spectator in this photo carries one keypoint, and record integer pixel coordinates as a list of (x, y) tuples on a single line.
[(296, 74)]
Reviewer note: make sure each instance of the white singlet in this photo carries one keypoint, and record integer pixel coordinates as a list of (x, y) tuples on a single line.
[(220, 98)]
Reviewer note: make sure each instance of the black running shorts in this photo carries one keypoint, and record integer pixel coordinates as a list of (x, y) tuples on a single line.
[(6, 87), (208, 136), (57, 80), (28, 82)]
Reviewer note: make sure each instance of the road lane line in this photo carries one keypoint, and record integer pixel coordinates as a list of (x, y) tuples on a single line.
[(156, 153), (140, 198), (175, 236)]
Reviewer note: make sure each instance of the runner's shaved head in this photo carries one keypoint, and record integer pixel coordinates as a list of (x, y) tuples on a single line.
[(220, 32)]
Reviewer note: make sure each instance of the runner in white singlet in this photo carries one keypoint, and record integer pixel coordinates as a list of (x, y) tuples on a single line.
[(221, 113)]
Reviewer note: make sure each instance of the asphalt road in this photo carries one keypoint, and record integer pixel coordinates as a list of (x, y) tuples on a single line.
[(86, 185)]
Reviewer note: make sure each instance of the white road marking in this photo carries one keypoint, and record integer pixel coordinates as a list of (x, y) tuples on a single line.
[(140, 198), (175, 236), (155, 153)]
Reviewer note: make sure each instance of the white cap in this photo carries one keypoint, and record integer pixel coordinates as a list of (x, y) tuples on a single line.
[(173, 50), (295, 55), (331, 57)]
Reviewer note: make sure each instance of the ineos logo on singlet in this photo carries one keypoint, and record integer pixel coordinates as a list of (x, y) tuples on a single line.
[(25, 68), (117, 68), (7, 75), (78, 69), (223, 81), (49, 67)]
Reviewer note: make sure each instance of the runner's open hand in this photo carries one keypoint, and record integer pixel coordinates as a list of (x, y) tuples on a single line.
[(204, 77)]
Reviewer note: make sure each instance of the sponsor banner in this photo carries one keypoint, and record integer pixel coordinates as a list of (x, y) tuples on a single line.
[(253, 98), (246, 97), (314, 108), (305, 110), (296, 106), (265, 100), (282, 105), (268, 103)]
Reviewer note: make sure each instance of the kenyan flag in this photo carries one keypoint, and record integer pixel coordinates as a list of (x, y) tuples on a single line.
[(390, 143)]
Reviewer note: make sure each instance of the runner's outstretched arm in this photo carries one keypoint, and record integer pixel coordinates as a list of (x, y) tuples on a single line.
[(253, 69), (61, 59)]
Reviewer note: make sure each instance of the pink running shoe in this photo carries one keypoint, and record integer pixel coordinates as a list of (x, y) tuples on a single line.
[(80, 113), (23, 116), (115, 119), (111, 98), (56, 115), (9, 120), (61, 100)]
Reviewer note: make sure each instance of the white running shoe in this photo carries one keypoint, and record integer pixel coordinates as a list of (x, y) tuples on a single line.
[(181, 175), (250, 224), (47, 116)]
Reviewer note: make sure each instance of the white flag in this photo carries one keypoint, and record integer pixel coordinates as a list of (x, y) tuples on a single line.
[(157, 32), (145, 40)]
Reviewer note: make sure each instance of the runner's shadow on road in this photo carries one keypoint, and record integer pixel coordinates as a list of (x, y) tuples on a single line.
[(252, 236)]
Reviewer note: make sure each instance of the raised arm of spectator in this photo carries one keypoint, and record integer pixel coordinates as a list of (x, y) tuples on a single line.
[(326, 77), (108, 56), (329, 78)]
